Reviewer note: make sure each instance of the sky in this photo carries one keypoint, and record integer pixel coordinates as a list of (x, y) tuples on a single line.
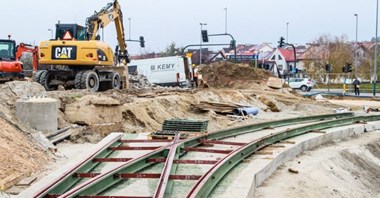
[(164, 21)]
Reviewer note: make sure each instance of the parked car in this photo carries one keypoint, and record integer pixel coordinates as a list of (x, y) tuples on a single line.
[(305, 84)]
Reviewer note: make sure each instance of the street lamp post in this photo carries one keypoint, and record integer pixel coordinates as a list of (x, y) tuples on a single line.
[(200, 48), (376, 40), (287, 32), (51, 33), (129, 19), (226, 19), (356, 46)]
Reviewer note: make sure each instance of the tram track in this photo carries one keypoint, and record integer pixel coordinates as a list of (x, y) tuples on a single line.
[(82, 181)]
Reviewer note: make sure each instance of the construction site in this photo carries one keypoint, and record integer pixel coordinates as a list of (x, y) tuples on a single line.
[(87, 121)]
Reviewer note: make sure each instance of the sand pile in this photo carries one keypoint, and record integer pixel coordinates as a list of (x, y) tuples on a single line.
[(19, 156), (231, 75)]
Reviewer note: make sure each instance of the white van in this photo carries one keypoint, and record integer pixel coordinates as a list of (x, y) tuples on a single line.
[(166, 71)]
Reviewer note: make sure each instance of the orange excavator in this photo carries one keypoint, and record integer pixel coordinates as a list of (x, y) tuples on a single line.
[(10, 65)]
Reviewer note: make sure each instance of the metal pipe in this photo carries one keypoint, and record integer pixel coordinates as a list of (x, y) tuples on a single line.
[(246, 111), (197, 45), (58, 132)]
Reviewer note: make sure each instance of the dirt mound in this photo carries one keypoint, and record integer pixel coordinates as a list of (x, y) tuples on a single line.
[(232, 75), (19, 157)]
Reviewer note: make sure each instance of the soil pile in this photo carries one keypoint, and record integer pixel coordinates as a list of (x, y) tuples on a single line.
[(19, 156), (232, 75)]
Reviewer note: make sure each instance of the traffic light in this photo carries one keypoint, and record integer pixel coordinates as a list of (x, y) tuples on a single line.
[(142, 42), (281, 43), (328, 68), (349, 67), (344, 69), (204, 36), (232, 44)]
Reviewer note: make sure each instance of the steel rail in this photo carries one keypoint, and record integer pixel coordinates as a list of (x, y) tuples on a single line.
[(103, 181), (66, 181), (208, 181), (169, 168), (69, 179)]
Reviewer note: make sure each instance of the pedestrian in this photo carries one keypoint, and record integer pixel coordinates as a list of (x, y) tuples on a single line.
[(356, 84), (195, 72)]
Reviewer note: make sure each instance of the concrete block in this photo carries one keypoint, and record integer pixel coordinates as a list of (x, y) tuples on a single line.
[(39, 113)]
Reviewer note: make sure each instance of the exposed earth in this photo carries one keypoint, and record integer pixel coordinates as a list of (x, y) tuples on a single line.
[(25, 152)]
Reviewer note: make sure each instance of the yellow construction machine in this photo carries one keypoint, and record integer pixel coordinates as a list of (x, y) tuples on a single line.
[(77, 58)]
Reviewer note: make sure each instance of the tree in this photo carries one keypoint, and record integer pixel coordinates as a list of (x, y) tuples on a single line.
[(336, 51), (171, 50)]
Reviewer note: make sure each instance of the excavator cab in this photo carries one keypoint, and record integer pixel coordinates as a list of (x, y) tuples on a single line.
[(7, 50), (76, 31), (10, 67)]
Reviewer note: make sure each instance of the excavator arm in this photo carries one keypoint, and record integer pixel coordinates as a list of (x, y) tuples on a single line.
[(110, 13)]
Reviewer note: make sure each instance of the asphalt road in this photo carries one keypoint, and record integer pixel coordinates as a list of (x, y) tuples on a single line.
[(336, 92)]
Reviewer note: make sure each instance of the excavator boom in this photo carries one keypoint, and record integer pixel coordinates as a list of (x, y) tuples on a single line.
[(110, 13)]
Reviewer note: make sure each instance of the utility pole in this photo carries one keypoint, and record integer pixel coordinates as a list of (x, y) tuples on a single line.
[(287, 32), (51, 33), (376, 48), (356, 46), (226, 19), (129, 19)]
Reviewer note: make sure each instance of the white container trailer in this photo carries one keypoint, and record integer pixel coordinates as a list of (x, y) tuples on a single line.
[(165, 71)]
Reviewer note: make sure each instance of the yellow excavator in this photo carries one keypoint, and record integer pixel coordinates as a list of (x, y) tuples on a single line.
[(77, 58)]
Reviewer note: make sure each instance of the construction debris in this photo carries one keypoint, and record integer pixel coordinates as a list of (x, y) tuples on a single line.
[(368, 109), (184, 127), (168, 135), (275, 83), (270, 103), (319, 97), (139, 82), (293, 171), (217, 107)]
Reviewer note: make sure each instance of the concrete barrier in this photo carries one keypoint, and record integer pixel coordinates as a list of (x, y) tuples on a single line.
[(243, 180), (39, 113)]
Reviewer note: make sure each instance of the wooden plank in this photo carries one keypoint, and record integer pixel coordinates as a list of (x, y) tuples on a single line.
[(27, 181)]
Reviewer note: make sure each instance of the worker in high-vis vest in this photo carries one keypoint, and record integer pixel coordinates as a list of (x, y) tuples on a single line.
[(196, 74)]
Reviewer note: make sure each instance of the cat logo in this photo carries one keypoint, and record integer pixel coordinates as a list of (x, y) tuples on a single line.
[(64, 52)]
